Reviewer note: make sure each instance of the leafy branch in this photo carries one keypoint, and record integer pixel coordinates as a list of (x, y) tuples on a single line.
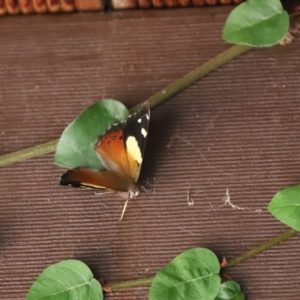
[(232, 262), (155, 100)]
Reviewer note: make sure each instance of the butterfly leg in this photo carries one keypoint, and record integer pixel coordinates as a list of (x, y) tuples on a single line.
[(124, 209)]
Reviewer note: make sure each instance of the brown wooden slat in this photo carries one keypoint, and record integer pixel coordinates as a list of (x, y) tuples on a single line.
[(236, 129)]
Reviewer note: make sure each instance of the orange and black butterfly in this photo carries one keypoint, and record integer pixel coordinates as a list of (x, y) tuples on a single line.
[(121, 150)]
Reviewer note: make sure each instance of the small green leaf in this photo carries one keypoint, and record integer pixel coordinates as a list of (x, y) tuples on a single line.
[(257, 23), (193, 275), (230, 290), (76, 145), (285, 206), (69, 279)]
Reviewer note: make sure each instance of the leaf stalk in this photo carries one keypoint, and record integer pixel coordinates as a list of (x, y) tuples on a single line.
[(131, 283)]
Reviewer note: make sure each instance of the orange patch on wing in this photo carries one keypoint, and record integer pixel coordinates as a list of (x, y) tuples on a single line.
[(113, 154)]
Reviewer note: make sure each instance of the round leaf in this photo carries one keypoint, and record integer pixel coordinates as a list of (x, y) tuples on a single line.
[(193, 275), (285, 206), (69, 279), (257, 23), (76, 145), (230, 290)]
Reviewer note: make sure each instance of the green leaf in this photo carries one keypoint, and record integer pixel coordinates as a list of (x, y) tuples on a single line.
[(66, 280), (257, 23), (76, 145), (285, 206), (230, 290), (193, 275)]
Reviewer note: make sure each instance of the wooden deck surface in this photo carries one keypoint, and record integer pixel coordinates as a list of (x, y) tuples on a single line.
[(237, 130)]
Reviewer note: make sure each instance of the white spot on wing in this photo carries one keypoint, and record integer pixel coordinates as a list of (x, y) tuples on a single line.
[(143, 132), (133, 149), (147, 116), (139, 120)]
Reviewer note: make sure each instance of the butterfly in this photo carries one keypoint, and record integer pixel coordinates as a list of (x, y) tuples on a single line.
[(120, 150)]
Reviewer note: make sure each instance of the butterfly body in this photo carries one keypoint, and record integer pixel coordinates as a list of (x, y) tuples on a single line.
[(121, 150)]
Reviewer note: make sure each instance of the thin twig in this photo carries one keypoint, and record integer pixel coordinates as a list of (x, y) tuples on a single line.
[(155, 100), (131, 283), (232, 262), (265, 246), (27, 153)]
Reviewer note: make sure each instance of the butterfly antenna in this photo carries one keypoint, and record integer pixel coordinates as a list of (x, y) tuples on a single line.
[(124, 209)]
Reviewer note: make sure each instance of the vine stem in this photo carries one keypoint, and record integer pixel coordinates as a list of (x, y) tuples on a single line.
[(265, 246), (234, 261), (27, 153), (154, 100), (188, 79), (131, 283)]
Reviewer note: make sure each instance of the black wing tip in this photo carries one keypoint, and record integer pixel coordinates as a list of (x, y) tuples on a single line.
[(146, 104), (143, 110), (65, 181), (74, 184)]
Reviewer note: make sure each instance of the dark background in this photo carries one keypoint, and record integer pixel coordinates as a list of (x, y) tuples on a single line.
[(236, 129)]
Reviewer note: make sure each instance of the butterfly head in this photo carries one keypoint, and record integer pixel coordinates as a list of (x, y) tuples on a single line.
[(133, 191)]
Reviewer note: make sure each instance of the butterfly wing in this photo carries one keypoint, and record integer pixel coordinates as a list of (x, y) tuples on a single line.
[(111, 150), (135, 137), (122, 146), (103, 180), (121, 150)]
